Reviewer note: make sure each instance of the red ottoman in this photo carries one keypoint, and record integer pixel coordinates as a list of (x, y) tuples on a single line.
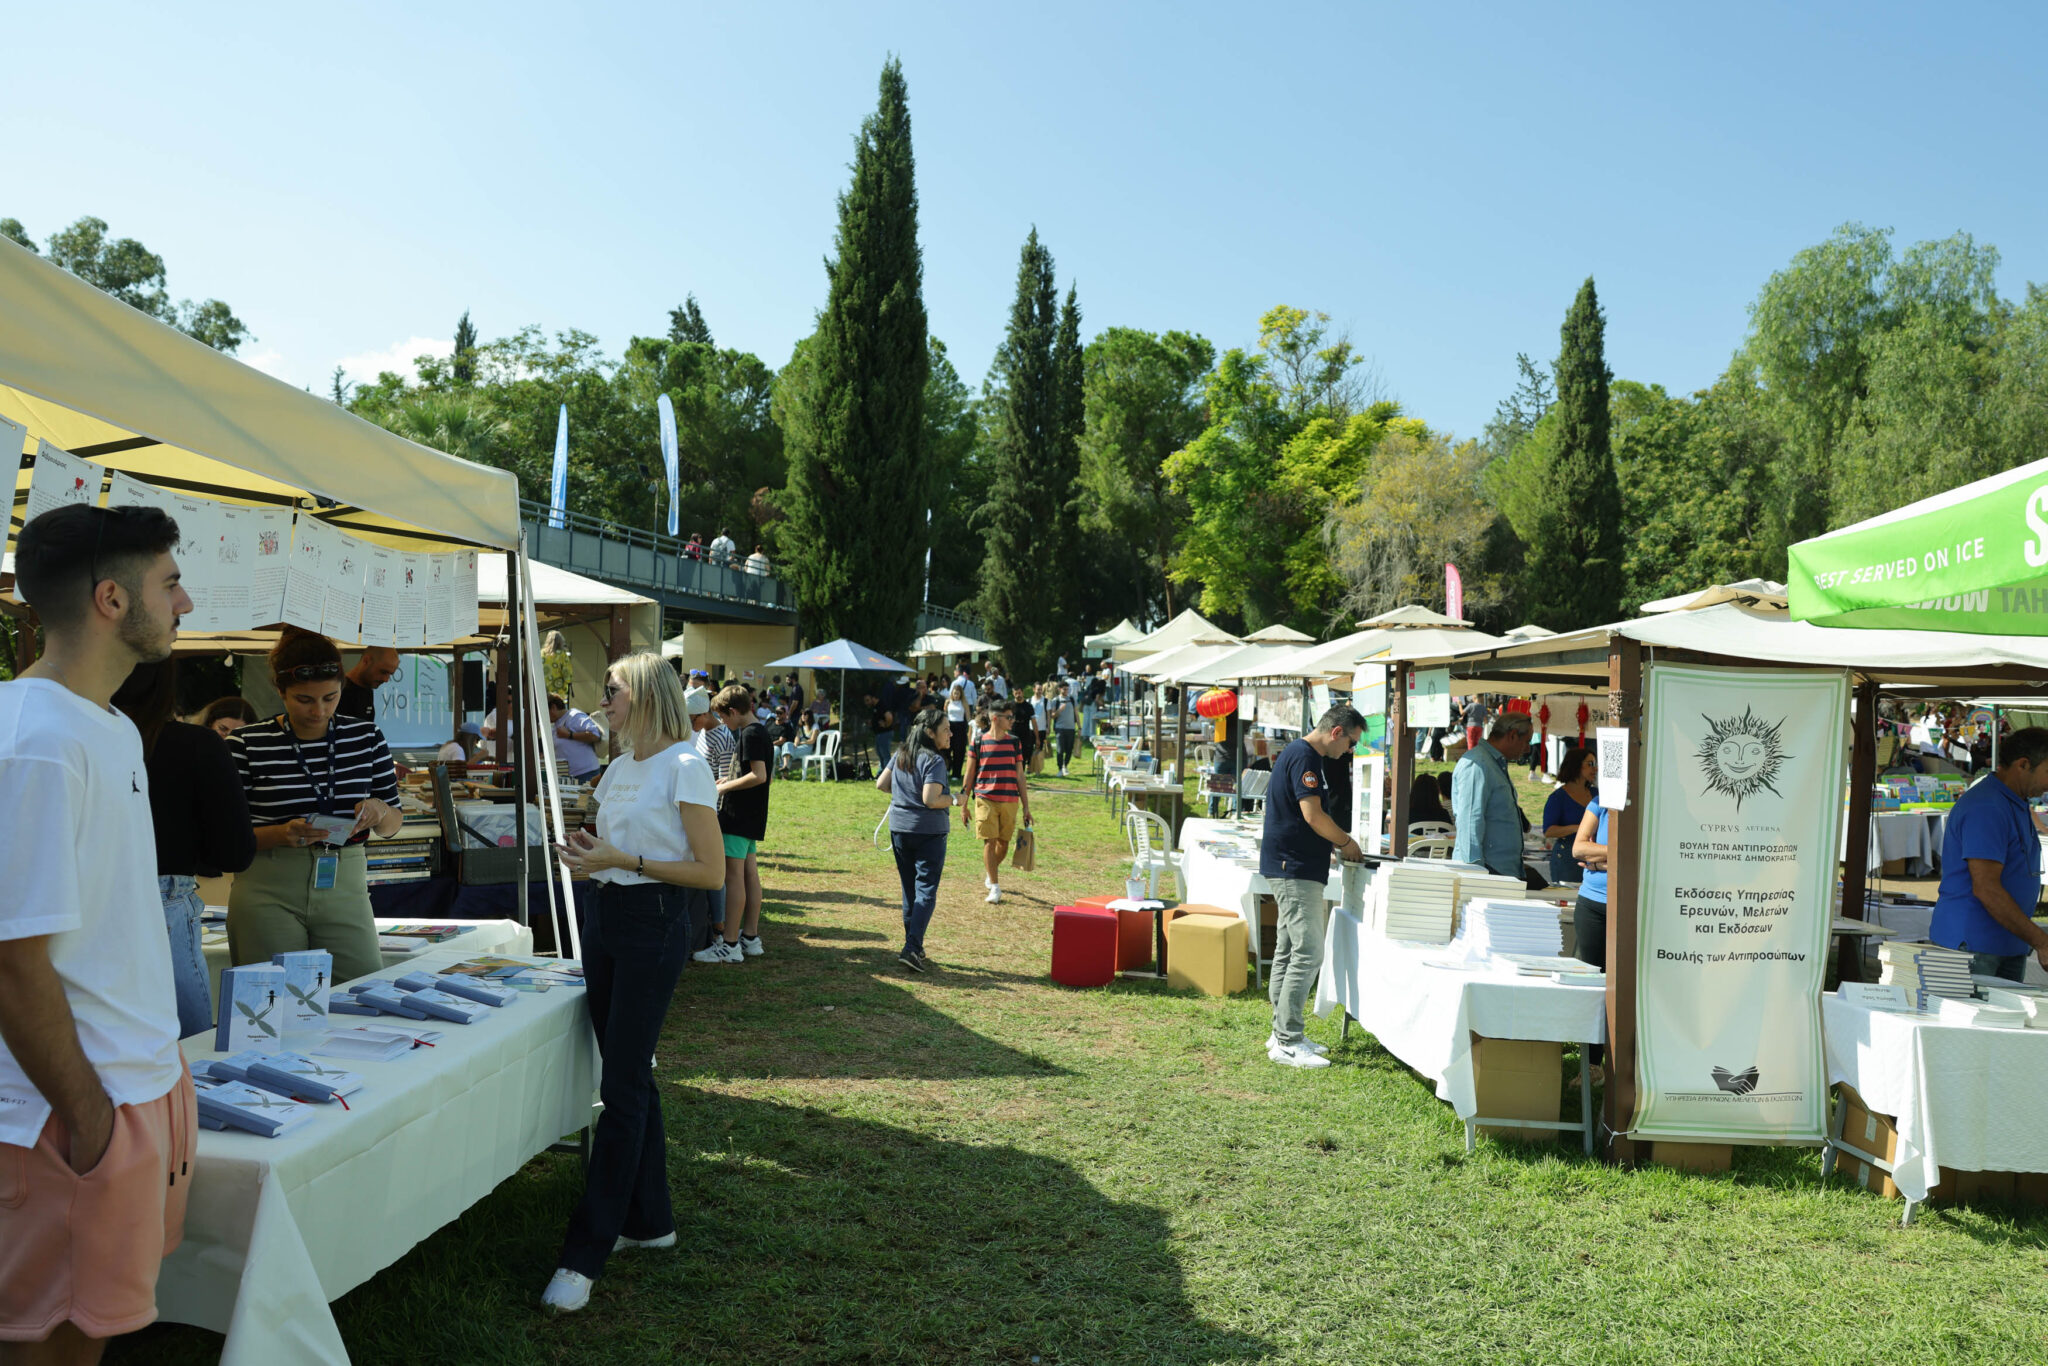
[(1083, 946), (1133, 933)]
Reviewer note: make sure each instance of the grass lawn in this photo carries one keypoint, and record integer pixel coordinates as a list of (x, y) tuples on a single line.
[(980, 1166)]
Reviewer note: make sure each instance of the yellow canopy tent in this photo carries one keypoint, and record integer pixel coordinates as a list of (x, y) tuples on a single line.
[(113, 386)]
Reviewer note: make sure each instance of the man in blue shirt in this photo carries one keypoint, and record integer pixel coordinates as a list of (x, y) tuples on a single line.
[(1294, 856), (1991, 864), (1483, 801)]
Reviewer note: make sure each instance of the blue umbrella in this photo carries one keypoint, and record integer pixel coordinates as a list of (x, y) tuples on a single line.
[(841, 654)]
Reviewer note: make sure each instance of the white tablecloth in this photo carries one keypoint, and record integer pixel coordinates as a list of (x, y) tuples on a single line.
[(1965, 1098), (1215, 881), (278, 1227), (1426, 1016), (1914, 836)]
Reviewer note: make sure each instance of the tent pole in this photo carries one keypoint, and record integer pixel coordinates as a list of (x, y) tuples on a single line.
[(510, 662), (562, 907), (1624, 846), (1401, 749), (1856, 847)]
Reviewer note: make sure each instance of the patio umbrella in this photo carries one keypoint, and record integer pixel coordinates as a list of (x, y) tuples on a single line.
[(841, 654)]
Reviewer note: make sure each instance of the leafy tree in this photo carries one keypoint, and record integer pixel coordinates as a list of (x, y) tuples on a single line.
[(341, 387), (1027, 403), (952, 431), (686, 324), (859, 482), (135, 275), (727, 443), (1696, 479), (1575, 557), (11, 229), (1515, 419), (462, 363), (1418, 506), (1142, 401), (1062, 475)]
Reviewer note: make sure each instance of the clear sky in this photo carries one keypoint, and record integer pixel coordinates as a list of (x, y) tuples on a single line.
[(1437, 178)]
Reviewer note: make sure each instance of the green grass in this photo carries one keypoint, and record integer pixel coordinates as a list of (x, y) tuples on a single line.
[(979, 1166)]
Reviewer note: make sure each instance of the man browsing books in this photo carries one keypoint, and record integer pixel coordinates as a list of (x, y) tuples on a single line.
[(91, 1080)]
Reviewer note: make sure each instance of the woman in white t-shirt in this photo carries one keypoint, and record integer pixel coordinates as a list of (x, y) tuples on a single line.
[(656, 853), (956, 714)]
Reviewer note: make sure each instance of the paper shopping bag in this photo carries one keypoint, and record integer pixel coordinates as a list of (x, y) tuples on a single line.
[(1026, 857)]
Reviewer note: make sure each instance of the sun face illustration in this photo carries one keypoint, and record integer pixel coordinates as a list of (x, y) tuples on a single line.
[(1741, 755)]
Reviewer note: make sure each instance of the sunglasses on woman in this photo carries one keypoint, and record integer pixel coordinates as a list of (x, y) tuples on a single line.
[(307, 673), (612, 690)]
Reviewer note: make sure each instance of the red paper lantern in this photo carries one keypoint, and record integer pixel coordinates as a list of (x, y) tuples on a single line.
[(1216, 703)]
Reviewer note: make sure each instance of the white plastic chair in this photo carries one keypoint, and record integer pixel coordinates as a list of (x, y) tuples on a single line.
[(826, 758), (1251, 788), (1152, 853), (1430, 830), (1439, 847)]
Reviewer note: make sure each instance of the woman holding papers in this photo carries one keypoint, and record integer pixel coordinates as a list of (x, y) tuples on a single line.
[(656, 854), (317, 785)]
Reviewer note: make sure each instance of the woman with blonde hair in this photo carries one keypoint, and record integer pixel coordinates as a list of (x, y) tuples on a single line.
[(656, 853)]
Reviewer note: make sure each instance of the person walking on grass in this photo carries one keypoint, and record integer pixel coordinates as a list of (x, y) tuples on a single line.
[(915, 780), (1064, 719), (957, 712), (995, 774), (1294, 856), (654, 857), (743, 822)]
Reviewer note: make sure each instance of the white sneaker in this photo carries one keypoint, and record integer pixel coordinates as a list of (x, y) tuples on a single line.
[(751, 946), (1320, 1050), (720, 952), (1297, 1056), (995, 894), (625, 1244), (568, 1292)]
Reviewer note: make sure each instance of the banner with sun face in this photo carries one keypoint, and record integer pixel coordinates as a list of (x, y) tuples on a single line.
[(1741, 812)]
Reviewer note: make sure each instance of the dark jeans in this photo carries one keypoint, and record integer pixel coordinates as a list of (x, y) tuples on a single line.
[(920, 859), (635, 941), (712, 917), (885, 745), (956, 759), (1066, 742), (2012, 968), (1589, 927)]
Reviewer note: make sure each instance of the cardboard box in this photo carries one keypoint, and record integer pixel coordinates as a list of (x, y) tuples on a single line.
[(1208, 954), (1693, 1157), (1517, 1079)]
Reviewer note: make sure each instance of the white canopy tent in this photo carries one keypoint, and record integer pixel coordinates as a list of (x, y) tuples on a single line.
[(1186, 627), (1279, 634), (947, 641), (1251, 660), (1331, 658), (1413, 615), (1158, 666), (1102, 642)]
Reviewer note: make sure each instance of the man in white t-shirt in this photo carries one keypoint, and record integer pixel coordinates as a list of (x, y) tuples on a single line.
[(91, 1079), (722, 548), (966, 682)]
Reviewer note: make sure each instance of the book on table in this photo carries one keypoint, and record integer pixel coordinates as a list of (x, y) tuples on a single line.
[(368, 1044), (298, 1076), (468, 988), (252, 1008), (439, 1005), (308, 982), (388, 999), (433, 934), (238, 1105)]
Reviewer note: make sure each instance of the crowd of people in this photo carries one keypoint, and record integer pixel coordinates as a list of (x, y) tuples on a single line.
[(723, 552)]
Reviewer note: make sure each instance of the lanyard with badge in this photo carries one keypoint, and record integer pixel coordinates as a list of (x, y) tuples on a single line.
[(325, 866)]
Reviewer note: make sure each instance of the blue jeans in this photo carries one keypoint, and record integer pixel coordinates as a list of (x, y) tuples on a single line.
[(885, 745), (2013, 968), (920, 859), (635, 941), (188, 963)]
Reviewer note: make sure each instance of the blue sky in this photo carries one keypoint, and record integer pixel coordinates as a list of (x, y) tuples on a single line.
[(1439, 179)]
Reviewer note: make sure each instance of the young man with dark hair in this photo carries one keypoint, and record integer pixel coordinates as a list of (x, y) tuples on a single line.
[(995, 775), (743, 823), (1294, 856), (91, 1080)]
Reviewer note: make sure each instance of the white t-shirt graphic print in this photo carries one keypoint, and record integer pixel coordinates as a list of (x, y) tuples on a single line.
[(636, 807)]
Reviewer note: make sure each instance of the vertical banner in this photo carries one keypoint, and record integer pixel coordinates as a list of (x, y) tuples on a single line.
[(1743, 774), (558, 492), (670, 459), (1454, 592)]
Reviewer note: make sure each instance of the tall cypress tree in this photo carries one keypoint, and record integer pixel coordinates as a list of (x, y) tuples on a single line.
[(1063, 475), (854, 539), (465, 350), (1574, 565), (1020, 568)]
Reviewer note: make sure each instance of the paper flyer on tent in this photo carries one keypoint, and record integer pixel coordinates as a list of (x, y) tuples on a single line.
[(465, 609), (440, 602), (13, 441), (232, 570), (125, 490), (60, 478), (380, 597), (411, 601), (343, 617), (269, 543), (305, 590)]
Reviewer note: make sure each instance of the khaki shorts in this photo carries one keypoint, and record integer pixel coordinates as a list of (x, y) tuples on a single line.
[(995, 820), (87, 1248)]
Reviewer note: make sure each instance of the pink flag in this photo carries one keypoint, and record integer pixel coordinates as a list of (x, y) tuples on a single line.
[(1454, 592)]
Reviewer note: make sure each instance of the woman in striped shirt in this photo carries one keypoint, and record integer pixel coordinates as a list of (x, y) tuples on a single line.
[(309, 886)]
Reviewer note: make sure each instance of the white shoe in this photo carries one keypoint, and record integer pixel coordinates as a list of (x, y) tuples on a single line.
[(751, 946), (1320, 1050), (568, 1292), (720, 952), (995, 894), (625, 1244), (1297, 1056)]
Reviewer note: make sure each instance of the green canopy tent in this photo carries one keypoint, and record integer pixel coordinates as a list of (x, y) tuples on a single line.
[(1974, 559)]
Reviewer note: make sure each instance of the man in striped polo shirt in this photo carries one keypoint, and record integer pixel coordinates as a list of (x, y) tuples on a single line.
[(995, 774)]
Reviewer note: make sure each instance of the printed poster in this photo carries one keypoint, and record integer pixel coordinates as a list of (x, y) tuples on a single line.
[(269, 544), (314, 546), (440, 599), (465, 616), (380, 597), (411, 601), (346, 571), (1740, 813), (60, 478)]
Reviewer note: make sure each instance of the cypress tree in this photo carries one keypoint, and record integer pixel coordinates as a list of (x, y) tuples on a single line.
[(1063, 476), (465, 350), (1020, 561), (853, 541), (1575, 562)]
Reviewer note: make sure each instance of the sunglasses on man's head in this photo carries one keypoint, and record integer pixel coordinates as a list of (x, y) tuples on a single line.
[(307, 673)]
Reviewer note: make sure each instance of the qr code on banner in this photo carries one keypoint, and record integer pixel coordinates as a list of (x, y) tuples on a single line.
[(1613, 763)]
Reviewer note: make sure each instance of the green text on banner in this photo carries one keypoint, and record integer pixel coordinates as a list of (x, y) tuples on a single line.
[(1741, 813)]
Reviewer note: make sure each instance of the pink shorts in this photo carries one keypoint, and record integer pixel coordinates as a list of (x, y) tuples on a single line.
[(87, 1248)]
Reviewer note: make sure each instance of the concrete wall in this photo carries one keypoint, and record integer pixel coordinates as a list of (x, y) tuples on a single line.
[(734, 650)]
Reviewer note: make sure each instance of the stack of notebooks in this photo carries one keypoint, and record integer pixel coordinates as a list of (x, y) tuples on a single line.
[(1982, 1015), (1565, 971), (1928, 972), (410, 857), (1491, 925), (1416, 900), (2031, 1002)]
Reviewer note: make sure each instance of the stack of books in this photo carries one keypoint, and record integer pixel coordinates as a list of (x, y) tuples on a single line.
[(1491, 925), (368, 1044), (238, 1105), (2029, 1001), (1928, 972), (521, 974), (1416, 900), (1477, 883), (1981, 1015), (1568, 971), (426, 934), (411, 856)]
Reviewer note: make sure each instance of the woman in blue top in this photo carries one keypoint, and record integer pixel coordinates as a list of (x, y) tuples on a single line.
[(1589, 914), (1566, 808), (919, 799)]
